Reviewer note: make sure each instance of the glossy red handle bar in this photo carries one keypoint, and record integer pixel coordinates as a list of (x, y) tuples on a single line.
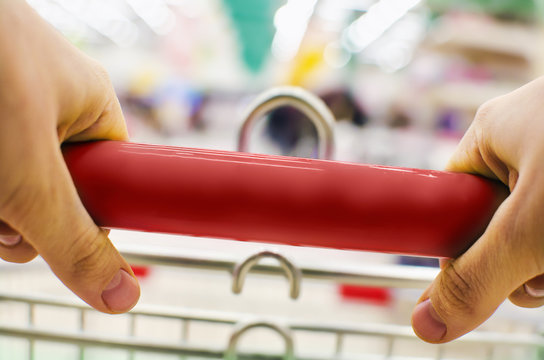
[(281, 199)]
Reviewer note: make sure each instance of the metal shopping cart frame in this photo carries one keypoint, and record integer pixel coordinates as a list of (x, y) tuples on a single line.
[(397, 276)]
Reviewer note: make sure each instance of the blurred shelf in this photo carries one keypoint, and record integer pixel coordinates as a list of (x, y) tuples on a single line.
[(483, 38), (468, 95)]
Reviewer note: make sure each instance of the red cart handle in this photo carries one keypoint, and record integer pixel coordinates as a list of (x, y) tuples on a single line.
[(281, 199)]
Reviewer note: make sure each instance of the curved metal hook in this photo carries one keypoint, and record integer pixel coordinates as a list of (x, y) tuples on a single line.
[(304, 101), (231, 353), (294, 275)]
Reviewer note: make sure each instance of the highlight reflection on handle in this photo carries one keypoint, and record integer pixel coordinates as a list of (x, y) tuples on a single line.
[(281, 199)]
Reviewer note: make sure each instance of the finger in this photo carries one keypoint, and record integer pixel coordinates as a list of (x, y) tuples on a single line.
[(467, 157), (108, 124), (484, 152), (530, 294), (117, 286), (13, 248), (50, 216), (77, 251), (469, 289)]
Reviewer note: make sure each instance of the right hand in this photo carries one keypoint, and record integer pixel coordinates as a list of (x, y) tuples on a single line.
[(505, 142)]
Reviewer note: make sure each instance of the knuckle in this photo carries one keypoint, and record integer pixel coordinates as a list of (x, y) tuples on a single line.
[(102, 74), (489, 113), (92, 252), (457, 294), (484, 112)]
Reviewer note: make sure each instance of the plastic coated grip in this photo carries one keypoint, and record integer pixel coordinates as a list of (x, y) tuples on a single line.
[(281, 199)]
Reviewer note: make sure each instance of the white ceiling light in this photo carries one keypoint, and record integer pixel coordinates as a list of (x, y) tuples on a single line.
[(291, 21), (373, 24), (156, 14)]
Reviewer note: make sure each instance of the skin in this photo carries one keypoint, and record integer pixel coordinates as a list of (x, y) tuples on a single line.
[(504, 142), (52, 93)]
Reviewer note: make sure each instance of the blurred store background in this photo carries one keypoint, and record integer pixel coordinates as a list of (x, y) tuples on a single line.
[(404, 79)]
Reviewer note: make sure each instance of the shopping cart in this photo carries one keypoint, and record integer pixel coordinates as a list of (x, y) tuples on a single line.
[(37, 326)]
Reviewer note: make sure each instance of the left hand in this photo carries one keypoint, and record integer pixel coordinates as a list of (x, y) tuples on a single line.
[(51, 93)]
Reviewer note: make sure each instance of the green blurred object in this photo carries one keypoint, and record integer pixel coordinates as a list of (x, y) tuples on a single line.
[(516, 9), (254, 22)]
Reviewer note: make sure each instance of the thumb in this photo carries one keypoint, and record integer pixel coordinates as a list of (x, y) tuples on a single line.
[(51, 217), (470, 288)]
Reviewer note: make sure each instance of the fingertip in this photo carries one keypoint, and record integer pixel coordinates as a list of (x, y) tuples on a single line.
[(121, 293), (530, 294), (537, 293), (10, 241), (427, 324), (16, 250)]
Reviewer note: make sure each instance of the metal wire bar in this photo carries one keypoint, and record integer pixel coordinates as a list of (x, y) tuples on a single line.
[(307, 103), (364, 329), (339, 343), (240, 329), (292, 273), (88, 339), (395, 276)]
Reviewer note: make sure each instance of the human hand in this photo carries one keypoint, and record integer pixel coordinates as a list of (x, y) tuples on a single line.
[(505, 142), (52, 93)]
